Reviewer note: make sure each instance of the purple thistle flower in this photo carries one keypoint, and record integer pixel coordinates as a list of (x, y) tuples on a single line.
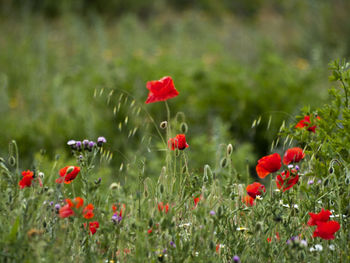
[(172, 244), (57, 207), (212, 212), (86, 144), (72, 144), (91, 145), (51, 203), (303, 243), (236, 259), (310, 182), (116, 218), (100, 141), (297, 167), (78, 145)]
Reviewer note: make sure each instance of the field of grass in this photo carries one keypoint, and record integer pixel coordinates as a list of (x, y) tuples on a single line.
[(243, 83)]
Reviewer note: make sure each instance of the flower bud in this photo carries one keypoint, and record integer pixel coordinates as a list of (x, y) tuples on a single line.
[(229, 149), (86, 144), (100, 141), (78, 145), (114, 186), (163, 124)]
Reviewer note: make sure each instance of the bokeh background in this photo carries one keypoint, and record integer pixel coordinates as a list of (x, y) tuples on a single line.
[(233, 62)]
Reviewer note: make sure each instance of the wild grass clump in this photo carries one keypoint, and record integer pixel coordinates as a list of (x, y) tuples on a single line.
[(297, 210)]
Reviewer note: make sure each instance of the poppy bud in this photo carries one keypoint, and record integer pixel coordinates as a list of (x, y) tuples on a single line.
[(183, 127), (331, 170), (223, 162), (12, 161), (229, 149), (277, 218), (163, 124), (220, 211), (259, 226), (161, 188), (150, 222), (113, 186), (211, 245)]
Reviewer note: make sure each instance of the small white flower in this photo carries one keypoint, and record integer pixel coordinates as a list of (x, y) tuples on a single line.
[(296, 206), (185, 225), (258, 197), (320, 201), (290, 166), (277, 190), (196, 254), (332, 247), (241, 229), (318, 247)]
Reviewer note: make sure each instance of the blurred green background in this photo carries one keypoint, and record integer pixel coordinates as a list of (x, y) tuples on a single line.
[(232, 62)]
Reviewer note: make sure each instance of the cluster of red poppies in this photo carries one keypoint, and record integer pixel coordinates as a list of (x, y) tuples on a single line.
[(72, 207), (162, 207), (272, 163), (325, 228)]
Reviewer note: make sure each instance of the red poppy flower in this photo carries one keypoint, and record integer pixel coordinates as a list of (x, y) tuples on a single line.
[(326, 230), (149, 231), (115, 209), (268, 164), (293, 155), (284, 181), (248, 200), (277, 238), (196, 201), (306, 123), (88, 211), (79, 202), (68, 174), (217, 248), (161, 90), (93, 226), (161, 207), (27, 179), (255, 189), (67, 211), (178, 142), (322, 216)]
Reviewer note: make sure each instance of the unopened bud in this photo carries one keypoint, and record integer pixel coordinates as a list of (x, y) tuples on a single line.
[(229, 149), (163, 124)]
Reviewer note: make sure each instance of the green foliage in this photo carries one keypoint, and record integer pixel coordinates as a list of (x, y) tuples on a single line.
[(206, 219)]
